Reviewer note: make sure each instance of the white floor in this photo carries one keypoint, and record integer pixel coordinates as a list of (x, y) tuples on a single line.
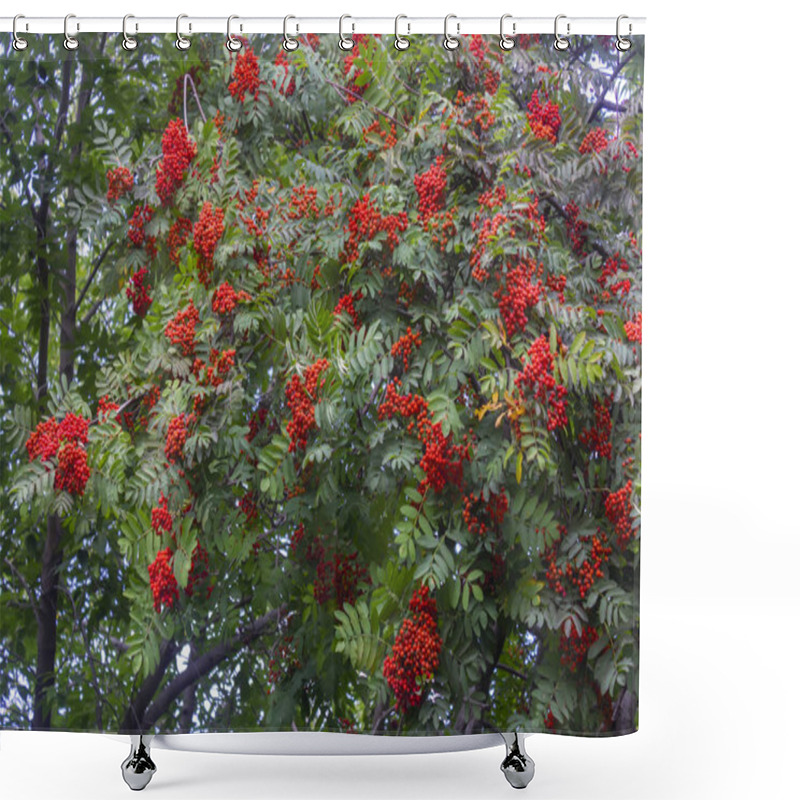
[(718, 719)]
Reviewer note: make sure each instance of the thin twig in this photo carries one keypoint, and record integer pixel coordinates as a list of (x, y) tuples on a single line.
[(25, 585)]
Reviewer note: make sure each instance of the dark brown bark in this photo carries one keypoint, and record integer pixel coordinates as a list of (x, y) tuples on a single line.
[(132, 721)]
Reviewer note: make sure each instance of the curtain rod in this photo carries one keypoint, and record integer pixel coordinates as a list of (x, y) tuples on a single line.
[(385, 25)]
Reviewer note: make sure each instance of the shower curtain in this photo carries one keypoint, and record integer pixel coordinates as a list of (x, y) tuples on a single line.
[(321, 385)]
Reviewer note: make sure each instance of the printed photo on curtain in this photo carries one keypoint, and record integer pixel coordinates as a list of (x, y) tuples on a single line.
[(321, 385)]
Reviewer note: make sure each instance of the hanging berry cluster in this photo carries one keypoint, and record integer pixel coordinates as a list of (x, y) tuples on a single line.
[(219, 365), (576, 229), (226, 298), (347, 304), (177, 433), (517, 294), (618, 512), (120, 182), (537, 377), (364, 222), (303, 203), (431, 186), (581, 575), (208, 231), (301, 396), (355, 87), (179, 233), (385, 131), (339, 578), (574, 646), (415, 653), (481, 516), (246, 74), (137, 292), (611, 267), (595, 141), (105, 407), (544, 120), (597, 438), (178, 151), (633, 329), (405, 344), (198, 571), (65, 442), (180, 330), (442, 461), (162, 580), (484, 55), (160, 518), (136, 235)]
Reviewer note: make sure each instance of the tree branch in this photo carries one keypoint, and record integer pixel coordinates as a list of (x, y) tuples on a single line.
[(601, 97), (205, 663), (132, 721), (95, 268)]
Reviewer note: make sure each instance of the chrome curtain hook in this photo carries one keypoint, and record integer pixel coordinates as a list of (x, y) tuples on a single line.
[(450, 42), (128, 42), (561, 43), (622, 43), (400, 42), (19, 43), (344, 42), (290, 43), (506, 42), (181, 42), (70, 42), (233, 43)]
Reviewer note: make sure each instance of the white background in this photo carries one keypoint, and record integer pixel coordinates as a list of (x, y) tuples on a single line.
[(719, 700)]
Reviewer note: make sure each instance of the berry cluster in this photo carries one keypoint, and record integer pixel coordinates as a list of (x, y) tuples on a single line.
[(544, 120), (611, 267), (597, 438), (283, 662), (65, 442), (575, 646), (162, 580), (105, 407), (246, 78), (387, 135), (347, 304), (474, 112), (517, 295), (338, 578), (177, 433), (557, 284), (415, 653), (288, 84), (180, 329), (301, 395), (178, 151), (303, 203), (537, 375), (633, 329), (404, 345), (482, 515), (354, 90), (481, 51), (120, 182), (364, 222), (226, 298), (160, 518), (442, 461), (256, 423), (138, 292), (431, 186), (576, 229), (219, 365), (249, 507), (136, 235), (179, 233), (198, 570), (618, 513), (595, 141), (208, 231)]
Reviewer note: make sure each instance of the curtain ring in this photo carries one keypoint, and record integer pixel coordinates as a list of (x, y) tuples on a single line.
[(233, 43), (400, 42), (290, 43), (70, 42), (19, 43), (128, 42), (344, 42), (623, 44), (506, 42), (181, 42), (560, 42), (450, 42)]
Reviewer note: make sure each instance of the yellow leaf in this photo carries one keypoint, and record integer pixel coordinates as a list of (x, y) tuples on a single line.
[(519, 467)]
